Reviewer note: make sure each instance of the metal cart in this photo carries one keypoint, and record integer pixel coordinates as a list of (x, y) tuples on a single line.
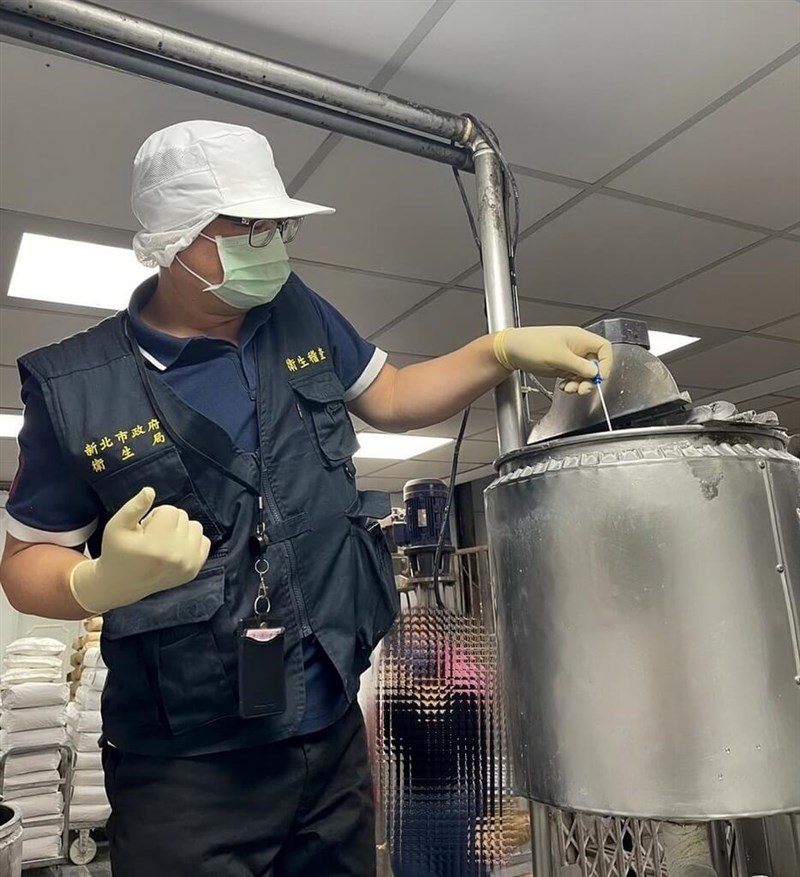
[(64, 784), (83, 848)]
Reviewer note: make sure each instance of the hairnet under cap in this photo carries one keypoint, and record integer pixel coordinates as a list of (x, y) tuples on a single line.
[(186, 175)]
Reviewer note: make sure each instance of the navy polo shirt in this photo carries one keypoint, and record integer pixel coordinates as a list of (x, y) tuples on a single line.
[(48, 502)]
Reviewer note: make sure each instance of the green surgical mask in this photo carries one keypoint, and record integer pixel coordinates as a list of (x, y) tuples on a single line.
[(252, 276)]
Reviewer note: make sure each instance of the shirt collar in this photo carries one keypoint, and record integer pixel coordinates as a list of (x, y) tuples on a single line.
[(163, 350)]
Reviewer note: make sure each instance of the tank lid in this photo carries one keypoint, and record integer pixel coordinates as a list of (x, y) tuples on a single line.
[(639, 390), (621, 330)]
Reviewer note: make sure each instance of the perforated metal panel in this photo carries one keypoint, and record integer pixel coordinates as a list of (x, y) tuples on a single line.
[(609, 847)]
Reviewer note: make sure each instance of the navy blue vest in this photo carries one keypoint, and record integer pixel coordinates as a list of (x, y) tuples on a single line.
[(171, 686)]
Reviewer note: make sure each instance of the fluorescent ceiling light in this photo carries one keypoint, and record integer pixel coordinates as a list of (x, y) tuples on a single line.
[(385, 446), (75, 273), (10, 425), (665, 342)]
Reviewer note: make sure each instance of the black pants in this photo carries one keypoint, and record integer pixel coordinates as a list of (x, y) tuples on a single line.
[(298, 808)]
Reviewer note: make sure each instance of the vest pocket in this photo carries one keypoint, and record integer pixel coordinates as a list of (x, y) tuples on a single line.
[(165, 472), (185, 621), (194, 687), (321, 406), (377, 599), (187, 604)]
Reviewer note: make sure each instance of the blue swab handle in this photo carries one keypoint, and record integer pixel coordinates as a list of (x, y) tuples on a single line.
[(598, 378)]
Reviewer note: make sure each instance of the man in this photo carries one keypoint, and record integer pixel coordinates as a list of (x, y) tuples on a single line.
[(201, 443)]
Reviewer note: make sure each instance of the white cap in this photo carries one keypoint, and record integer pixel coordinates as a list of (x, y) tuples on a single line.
[(186, 175)]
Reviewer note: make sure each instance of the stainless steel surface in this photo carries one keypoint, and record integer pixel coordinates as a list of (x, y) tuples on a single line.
[(542, 841), (622, 330), (718, 844), (648, 585), (89, 47), (497, 286), (769, 846), (10, 841), (639, 382), (165, 42)]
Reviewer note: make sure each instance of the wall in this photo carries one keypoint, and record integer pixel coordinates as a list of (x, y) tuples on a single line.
[(14, 624)]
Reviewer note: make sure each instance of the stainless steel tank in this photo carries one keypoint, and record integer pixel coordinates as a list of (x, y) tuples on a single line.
[(648, 591)]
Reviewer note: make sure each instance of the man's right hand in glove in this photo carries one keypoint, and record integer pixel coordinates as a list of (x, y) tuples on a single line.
[(143, 552)]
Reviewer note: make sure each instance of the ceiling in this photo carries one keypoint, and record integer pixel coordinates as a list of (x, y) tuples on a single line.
[(656, 144)]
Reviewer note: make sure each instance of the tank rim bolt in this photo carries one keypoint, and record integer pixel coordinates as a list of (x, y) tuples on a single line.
[(779, 568), (762, 464), (797, 680)]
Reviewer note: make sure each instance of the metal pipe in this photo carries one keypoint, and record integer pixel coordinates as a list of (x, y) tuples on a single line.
[(541, 841), (163, 70), (156, 39), (497, 287), (718, 845)]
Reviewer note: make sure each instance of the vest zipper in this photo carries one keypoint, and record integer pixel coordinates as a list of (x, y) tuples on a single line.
[(272, 506)]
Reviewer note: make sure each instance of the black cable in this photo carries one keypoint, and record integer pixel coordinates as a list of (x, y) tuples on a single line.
[(473, 227), (510, 182), (443, 529), (509, 185), (510, 192)]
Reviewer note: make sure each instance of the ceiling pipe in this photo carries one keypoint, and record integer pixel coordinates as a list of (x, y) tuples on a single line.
[(90, 48), (184, 48)]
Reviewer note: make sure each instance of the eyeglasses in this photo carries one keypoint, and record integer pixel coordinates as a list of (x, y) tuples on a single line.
[(262, 231)]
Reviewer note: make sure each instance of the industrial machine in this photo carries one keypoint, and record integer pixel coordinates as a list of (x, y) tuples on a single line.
[(413, 534), (648, 588)]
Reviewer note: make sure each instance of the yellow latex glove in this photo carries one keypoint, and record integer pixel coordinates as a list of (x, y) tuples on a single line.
[(565, 352), (141, 554)]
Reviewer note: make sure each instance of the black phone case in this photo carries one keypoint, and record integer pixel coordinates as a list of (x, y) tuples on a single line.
[(262, 686)]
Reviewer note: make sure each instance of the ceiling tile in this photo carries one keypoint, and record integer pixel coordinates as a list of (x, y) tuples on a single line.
[(758, 287), (485, 401), (9, 387), (484, 474), (401, 360), (472, 452), (786, 329), (71, 160), (790, 416), (736, 363), (762, 403), (365, 466), (455, 317), (22, 330), (488, 435), (367, 301), (423, 469), (334, 37), (742, 161), (378, 482), (697, 392), (8, 459), (400, 214), (576, 88), (605, 252), (480, 420)]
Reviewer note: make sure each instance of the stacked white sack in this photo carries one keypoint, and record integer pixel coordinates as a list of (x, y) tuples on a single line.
[(89, 803), (33, 698)]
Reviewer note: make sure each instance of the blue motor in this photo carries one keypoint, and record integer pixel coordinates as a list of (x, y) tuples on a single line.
[(426, 503)]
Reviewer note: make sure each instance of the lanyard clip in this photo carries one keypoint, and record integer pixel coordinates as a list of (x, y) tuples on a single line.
[(262, 605), (260, 538)]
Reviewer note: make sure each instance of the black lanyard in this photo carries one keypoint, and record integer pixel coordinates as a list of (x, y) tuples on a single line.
[(177, 435)]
